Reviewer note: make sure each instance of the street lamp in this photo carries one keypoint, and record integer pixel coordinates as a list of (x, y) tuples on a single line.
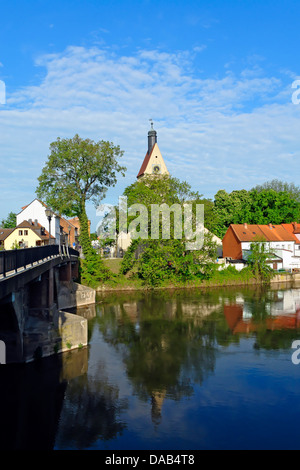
[(49, 215), (69, 238)]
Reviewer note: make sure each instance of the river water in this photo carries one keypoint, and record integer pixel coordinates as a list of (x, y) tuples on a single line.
[(167, 370)]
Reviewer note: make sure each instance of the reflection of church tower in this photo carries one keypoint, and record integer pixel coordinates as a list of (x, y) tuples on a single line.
[(157, 399), (153, 163)]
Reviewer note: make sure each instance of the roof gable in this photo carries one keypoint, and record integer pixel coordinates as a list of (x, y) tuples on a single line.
[(145, 164), (154, 158), (4, 232), (38, 229)]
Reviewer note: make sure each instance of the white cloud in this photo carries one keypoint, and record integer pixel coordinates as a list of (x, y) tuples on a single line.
[(217, 132)]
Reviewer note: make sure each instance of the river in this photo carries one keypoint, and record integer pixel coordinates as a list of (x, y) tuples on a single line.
[(166, 370)]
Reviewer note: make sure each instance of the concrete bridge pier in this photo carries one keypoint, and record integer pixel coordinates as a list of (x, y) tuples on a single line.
[(14, 313), (33, 322)]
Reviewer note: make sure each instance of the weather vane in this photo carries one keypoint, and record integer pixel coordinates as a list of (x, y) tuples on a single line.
[(151, 123)]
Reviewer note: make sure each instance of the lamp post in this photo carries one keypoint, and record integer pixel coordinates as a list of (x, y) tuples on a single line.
[(49, 215)]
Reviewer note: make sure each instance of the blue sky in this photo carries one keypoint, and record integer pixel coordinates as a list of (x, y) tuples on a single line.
[(216, 78)]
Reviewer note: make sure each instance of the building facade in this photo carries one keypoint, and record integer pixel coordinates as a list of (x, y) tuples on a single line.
[(27, 234), (281, 241), (63, 231)]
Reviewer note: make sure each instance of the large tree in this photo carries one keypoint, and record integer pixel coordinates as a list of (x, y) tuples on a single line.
[(278, 186), (253, 207), (79, 170), (165, 256)]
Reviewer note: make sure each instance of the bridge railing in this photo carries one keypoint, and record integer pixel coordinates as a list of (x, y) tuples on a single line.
[(12, 260)]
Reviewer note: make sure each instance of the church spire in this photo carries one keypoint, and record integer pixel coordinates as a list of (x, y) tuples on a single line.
[(152, 138), (153, 163)]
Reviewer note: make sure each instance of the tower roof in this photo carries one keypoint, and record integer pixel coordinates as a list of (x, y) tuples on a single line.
[(153, 162)]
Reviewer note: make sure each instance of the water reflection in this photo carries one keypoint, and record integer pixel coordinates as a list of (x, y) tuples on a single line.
[(168, 344), (273, 319), (31, 399), (158, 365)]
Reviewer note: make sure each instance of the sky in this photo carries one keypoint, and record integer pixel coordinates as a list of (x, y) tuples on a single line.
[(216, 77)]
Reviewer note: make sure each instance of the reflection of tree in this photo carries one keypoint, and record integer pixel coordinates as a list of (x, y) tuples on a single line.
[(91, 412), (165, 350)]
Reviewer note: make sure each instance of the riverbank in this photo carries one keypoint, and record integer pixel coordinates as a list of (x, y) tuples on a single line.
[(133, 284)]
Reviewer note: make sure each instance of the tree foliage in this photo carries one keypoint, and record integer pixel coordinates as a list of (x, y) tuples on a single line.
[(169, 261), (10, 221), (253, 207), (258, 260), (166, 258), (80, 170), (279, 186)]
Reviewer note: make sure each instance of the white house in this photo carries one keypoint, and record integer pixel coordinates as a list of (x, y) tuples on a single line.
[(35, 212), (281, 240), (63, 230)]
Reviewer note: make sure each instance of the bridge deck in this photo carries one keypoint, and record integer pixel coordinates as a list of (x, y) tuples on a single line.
[(20, 266)]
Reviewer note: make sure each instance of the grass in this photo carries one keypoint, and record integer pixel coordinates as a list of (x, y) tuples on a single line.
[(113, 264)]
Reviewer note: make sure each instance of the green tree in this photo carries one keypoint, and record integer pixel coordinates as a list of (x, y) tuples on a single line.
[(253, 207), (270, 206), (10, 221), (279, 186), (80, 170), (166, 259), (15, 246), (258, 260), (158, 190), (231, 208)]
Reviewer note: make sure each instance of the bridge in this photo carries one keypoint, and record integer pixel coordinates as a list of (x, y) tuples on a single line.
[(36, 285)]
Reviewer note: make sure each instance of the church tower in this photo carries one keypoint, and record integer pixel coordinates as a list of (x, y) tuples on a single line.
[(153, 163)]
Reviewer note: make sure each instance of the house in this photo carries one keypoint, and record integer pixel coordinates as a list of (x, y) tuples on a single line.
[(64, 231), (281, 240), (26, 235), (4, 233)]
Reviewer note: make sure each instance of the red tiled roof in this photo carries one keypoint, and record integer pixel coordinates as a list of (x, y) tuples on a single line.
[(249, 232), (145, 163), (36, 199), (292, 228)]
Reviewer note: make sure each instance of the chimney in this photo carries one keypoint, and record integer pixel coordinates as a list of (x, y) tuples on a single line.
[(35, 222), (295, 226), (30, 221), (245, 225), (270, 226), (152, 138)]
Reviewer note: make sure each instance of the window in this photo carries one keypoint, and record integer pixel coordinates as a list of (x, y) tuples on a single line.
[(25, 232), (20, 233)]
